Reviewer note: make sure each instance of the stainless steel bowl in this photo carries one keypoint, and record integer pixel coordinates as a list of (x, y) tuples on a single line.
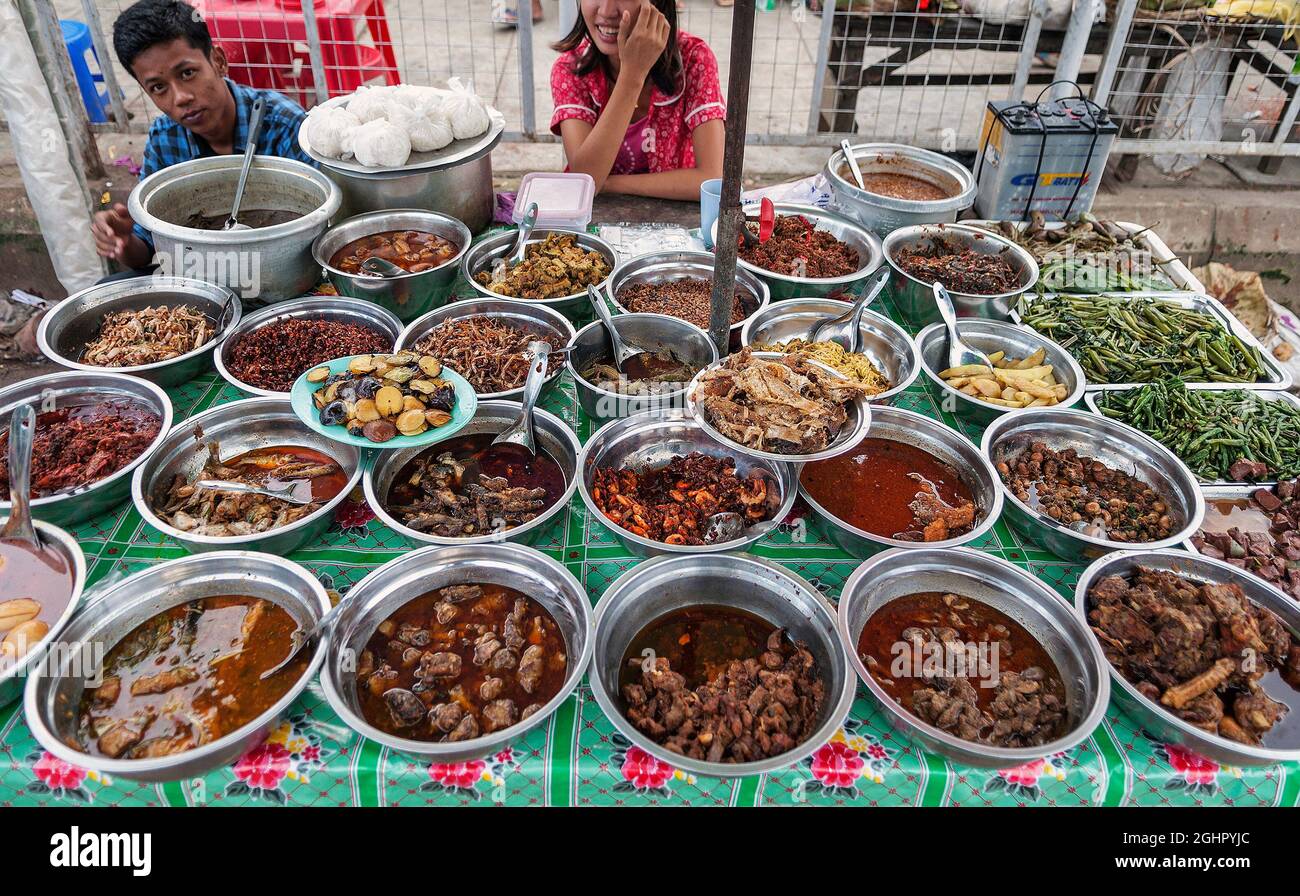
[(1164, 725), (53, 694), (855, 428), (553, 437), (668, 267), (1114, 444), (406, 296), (266, 264), (945, 444), (990, 336), (884, 342), (67, 328), (549, 325), (485, 252), (651, 332), (915, 298), (240, 427), (884, 214), (846, 288), (652, 440), (664, 584), (1004, 587), (75, 389), (331, 308), (393, 585), (12, 678)]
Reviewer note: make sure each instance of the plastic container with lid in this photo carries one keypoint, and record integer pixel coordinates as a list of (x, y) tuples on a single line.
[(563, 198)]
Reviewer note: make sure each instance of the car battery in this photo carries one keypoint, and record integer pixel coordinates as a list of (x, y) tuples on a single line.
[(1044, 157)]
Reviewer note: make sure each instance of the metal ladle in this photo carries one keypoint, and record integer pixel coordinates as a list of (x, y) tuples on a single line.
[(959, 353), (302, 637), (521, 431), (520, 248), (250, 149), (634, 363), (853, 164), (296, 491), (845, 330), (22, 430)]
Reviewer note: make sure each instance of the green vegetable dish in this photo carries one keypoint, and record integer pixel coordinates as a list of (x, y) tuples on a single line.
[(1140, 339), (1233, 435)]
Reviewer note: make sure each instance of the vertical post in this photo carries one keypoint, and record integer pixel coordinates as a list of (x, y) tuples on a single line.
[(527, 101), (47, 41), (314, 52), (1028, 47), (823, 60), (1072, 47), (731, 216), (1115, 44), (106, 65)]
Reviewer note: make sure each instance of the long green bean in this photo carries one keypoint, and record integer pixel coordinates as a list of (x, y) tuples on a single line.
[(1211, 430), (1139, 339)]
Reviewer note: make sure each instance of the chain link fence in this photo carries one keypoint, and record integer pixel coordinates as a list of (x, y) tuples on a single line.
[(1182, 83)]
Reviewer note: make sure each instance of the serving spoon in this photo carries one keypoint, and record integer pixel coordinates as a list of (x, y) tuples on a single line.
[(22, 429), (634, 363), (250, 149), (853, 164), (845, 330), (301, 637), (959, 353), (521, 431), (295, 491), (520, 248), (381, 267)]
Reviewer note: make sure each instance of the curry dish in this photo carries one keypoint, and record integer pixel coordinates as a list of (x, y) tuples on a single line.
[(189, 676)]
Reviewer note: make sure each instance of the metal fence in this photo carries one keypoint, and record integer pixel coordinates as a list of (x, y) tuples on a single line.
[(911, 71)]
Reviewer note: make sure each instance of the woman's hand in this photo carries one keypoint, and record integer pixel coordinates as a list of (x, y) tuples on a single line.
[(641, 40), (112, 231)]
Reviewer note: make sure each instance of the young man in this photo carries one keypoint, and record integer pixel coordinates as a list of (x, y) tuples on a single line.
[(166, 46)]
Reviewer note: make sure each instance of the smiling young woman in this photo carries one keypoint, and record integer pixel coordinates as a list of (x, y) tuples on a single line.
[(638, 102)]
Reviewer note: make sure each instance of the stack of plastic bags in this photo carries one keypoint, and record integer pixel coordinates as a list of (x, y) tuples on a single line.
[(381, 126)]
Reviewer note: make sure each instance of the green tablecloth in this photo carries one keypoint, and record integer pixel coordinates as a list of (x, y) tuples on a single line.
[(577, 758)]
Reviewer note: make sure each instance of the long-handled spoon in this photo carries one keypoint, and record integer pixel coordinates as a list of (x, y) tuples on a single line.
[(22, 429), (959, 353), (521, 431), (297, 491), (250, 149), (853, 164), (634, 363), (302, 637), (845, 330)]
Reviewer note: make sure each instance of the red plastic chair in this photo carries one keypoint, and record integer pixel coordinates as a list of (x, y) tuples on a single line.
[(266, 43)]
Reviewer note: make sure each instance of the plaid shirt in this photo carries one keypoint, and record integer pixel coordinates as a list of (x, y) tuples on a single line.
[(171, 142)]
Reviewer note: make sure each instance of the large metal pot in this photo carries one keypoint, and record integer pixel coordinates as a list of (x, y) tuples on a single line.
[(71, 324), (265, 264), (884, 214), (408, 295), (75, 389), (54, 689)]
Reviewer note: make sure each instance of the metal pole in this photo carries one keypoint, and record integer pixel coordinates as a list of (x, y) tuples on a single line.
[(1073, 46), (731, 216), (1028, 46), (526, 99), (106, 64), (314, 51), (823, 59), (1115, 44)]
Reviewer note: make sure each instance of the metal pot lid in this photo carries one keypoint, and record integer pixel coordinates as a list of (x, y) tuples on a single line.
[(454, 153)]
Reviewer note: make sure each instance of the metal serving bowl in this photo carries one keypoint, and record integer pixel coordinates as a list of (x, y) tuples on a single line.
[(406, 296), (850, 434), (53, 695), (915, 298), (393, 585), (887, 344), (240, 427), (1004, 587), (884, 214), (485, 252), (668, 267), (846, 288), (65, 331), (549, 326), (654, 439), (11, 679), (553, 436), (664, 584), (75, 389), (267, 264), (945, 444), (1163, 725), (331, 308), (652, 333), (1114, 444), (990, 336)]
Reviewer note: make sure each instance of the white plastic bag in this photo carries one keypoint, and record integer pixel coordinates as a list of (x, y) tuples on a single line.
[(465, 111), (329, 130), (381, 144)]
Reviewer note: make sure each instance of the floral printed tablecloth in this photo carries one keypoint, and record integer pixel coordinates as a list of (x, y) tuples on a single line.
[(577, 758)]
